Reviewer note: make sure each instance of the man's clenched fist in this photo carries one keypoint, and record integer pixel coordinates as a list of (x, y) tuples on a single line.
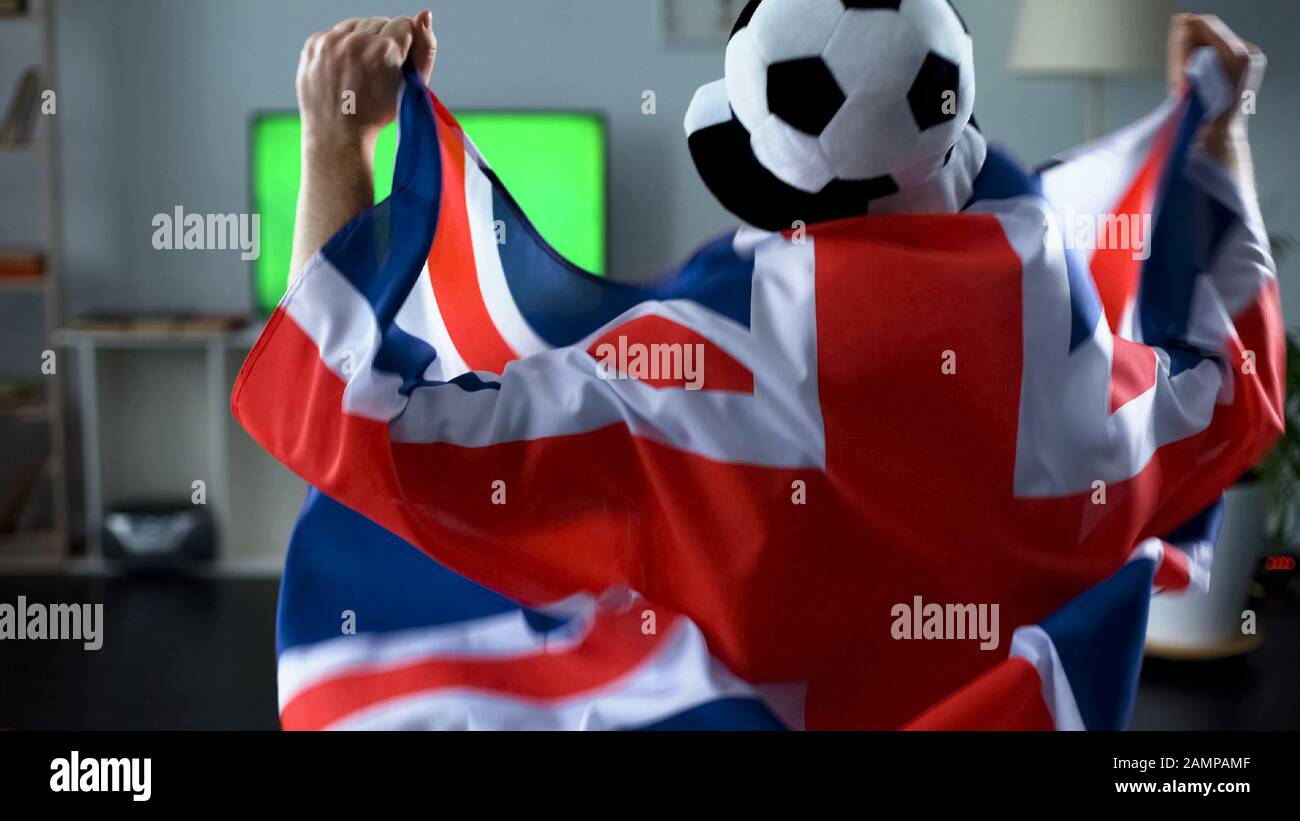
[(1243, 63), (348, 77)]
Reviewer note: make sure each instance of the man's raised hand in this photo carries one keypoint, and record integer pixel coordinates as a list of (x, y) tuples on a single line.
[(348, 77)]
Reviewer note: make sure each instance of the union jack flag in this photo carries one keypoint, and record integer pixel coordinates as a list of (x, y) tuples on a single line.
[(961, 408)]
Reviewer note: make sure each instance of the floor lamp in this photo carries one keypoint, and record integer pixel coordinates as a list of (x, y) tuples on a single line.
[(1092, 40)]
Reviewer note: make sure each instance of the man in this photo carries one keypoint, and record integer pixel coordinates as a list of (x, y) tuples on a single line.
[(920, 437)]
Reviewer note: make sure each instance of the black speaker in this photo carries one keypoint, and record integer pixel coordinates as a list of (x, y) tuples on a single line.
[(163, 533)]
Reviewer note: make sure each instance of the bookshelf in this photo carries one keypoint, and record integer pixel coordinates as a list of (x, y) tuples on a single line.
[(42, 543)]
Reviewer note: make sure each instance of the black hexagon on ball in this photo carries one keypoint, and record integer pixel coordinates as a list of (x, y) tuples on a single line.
[(804, 94), (872, 4)]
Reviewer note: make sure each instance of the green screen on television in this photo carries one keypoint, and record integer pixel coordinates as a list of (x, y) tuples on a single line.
[(553, 164)]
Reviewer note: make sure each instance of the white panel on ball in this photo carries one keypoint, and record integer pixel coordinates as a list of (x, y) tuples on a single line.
[(951, 42), (877, 51), (791, 31), (870, 136), (747, 81), (794, 157)]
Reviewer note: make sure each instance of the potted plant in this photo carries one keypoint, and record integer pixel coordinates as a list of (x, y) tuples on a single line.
[(1279, 473), (1263, 508)]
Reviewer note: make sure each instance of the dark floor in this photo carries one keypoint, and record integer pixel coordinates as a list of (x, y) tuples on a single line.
[(178, 654), (1259, 691), (200, 654)]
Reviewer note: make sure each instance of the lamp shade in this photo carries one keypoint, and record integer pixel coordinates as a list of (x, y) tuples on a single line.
[(1096, 38)]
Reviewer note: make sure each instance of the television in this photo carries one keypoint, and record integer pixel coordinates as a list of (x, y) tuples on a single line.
[(553, 162)]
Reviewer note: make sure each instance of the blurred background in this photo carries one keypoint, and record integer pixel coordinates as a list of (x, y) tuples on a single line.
[(123, 477)]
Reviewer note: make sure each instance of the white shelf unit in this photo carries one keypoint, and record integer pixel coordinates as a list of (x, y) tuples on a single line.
[(49, 548), (124, 381), (216, 348)]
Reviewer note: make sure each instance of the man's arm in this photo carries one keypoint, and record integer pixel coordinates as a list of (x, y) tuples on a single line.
[(348, 79)]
